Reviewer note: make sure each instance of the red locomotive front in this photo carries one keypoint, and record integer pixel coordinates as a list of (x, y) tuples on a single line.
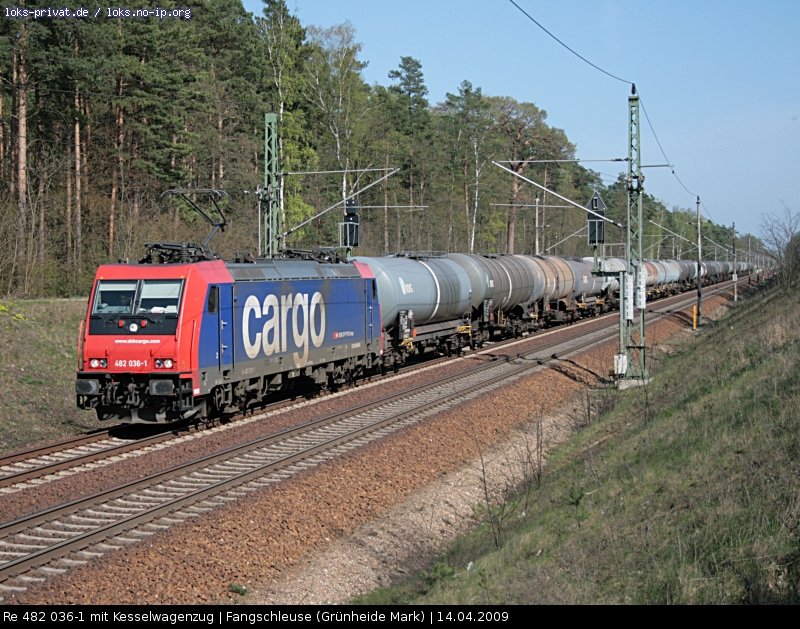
[(138, 354)]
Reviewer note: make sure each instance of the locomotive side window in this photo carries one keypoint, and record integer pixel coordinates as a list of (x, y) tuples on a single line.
[(160, 296), (114, 297), (213, 299)]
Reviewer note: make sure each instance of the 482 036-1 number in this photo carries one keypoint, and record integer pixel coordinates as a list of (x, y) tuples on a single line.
[(130, 363), (54, 616)]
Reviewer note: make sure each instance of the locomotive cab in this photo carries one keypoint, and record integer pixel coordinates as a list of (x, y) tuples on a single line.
[(133, 366)]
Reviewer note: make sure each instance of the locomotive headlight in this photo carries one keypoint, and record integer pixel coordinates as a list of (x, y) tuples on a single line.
[(97, 363), (168, 363), (163, 363), (133, 327)]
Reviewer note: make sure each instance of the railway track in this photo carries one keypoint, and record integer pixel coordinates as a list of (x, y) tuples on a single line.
[(25, 468), (51, 542)]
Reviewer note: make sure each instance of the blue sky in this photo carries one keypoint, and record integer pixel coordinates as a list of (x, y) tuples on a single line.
[(719, 80)]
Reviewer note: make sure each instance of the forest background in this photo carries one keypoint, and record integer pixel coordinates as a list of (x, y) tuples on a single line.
[(99, 117)]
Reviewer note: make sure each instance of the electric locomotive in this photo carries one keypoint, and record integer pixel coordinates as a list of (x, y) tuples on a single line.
[(182, 334)]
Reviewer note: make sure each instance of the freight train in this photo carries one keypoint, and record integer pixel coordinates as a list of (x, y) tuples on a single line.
[(182, 334)]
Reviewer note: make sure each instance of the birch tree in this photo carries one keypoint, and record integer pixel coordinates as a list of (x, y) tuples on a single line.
[(470, 112), (334, 87)]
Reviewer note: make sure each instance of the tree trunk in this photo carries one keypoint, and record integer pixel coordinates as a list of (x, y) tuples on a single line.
[(173, 164), (411, 178), (38, 206), (386, 208), (475, 198), (68, 205), (13, 146), (135, 191), (2, 143), (78, 176), (221, 149), (40, 236), (544, 213), (86, 146), (22, 148), (512, 212), (466, 200), (192, 160), (512, 228), (112, 210), (119, 143)]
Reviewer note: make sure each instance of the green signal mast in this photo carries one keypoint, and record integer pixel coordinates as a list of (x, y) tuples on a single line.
[(271, 242), (635, 281)]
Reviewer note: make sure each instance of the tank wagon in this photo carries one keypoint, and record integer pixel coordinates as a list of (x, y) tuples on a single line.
[(182, 334)]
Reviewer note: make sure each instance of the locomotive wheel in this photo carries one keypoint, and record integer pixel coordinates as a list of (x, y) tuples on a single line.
[(218, 399)]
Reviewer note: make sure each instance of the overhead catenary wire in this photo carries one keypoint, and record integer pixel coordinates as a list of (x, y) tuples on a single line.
[(664, 154), (558, 161), (338, 203), (581, 57), (705, 209), (556, 194), (618, 78)]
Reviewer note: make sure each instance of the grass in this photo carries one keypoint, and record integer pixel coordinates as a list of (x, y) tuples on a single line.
[(699, 503), (236, 588), (37, 381)]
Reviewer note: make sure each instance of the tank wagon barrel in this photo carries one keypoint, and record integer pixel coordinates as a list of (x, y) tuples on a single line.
[(585, 283), (434, 289)]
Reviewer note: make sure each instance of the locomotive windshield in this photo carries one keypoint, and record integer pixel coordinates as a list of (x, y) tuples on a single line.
[(114, 297), (159, 296), (137, 297)]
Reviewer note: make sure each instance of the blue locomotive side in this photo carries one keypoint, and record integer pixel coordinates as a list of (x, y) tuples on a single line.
[(264, 327)]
